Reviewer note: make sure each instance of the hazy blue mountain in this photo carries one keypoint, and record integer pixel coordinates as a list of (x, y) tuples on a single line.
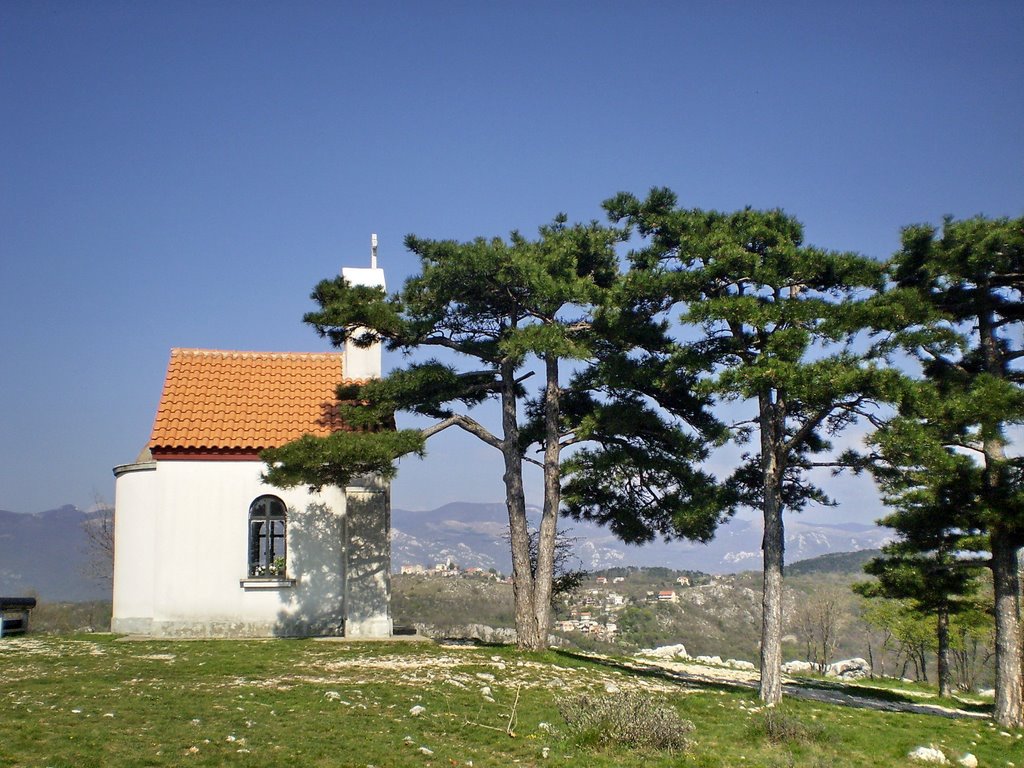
[(46, 554), (473, 535)]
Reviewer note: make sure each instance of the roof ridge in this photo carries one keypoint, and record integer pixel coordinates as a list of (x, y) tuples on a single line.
[(195, 351)]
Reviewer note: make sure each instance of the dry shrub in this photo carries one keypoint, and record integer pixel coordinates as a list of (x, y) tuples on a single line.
[(779, 728), (627, 719)]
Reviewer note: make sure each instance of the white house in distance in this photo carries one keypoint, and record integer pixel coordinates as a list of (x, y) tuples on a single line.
[(204, 548)]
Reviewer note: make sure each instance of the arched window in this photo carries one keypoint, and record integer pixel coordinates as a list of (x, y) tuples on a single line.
[(267, 555)]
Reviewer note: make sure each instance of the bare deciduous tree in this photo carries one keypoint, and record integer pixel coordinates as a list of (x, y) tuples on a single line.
[(99, 537), (819, 621)]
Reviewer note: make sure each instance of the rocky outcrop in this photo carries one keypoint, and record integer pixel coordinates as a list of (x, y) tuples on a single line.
[(747, 666), (847, 669), (665, 652), (678, 653), (481, 632)]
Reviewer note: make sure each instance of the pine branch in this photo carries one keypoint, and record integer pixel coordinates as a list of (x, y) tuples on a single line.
[(466, 423)]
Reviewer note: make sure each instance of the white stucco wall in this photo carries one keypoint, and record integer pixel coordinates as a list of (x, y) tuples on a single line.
[(135, 497), (181, 556), (368, 559)]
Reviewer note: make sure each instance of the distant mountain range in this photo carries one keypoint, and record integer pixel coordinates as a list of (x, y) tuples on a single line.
[(473, 535), (47, 553)]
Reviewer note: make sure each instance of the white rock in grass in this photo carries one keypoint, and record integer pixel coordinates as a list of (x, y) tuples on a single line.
[(714, 660), (486, 691), (611, 688), (417, 710), (849, 669), (426, 751), (968, 761), (929, 754), (740, 664), (665, 652), (332, 695)]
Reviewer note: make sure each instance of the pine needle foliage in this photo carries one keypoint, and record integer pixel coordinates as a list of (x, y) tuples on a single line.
[(774, 323), (497, 312), (942, 461)]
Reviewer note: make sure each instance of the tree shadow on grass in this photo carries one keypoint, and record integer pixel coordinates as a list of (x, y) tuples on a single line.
[(890, 695), (843, 694), (654, 672)]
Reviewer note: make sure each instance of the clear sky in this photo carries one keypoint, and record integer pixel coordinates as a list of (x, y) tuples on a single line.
[(182, 173)]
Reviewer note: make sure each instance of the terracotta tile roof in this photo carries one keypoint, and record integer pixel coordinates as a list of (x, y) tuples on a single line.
[(223, 403)]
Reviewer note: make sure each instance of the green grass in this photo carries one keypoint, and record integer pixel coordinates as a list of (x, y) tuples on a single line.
[(93, 700)]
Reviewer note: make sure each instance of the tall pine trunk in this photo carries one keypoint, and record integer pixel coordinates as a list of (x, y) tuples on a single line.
[(527, 635), (552, 499), (772, 547), (1009, 710), (942, 632)]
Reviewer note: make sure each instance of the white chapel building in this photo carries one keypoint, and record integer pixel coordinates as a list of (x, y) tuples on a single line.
[(204, 548)]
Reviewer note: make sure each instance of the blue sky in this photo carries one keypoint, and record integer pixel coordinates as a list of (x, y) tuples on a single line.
[(181, 174)]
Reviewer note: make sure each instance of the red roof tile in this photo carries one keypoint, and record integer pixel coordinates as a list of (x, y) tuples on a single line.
[(237, 403)]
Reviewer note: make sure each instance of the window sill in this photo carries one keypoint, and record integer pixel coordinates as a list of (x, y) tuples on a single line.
[(263, 582)]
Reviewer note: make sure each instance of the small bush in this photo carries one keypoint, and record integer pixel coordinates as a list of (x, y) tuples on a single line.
[(628, 719), (779, 728)]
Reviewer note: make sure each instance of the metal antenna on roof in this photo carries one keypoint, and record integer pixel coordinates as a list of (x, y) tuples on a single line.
[(373, 251)]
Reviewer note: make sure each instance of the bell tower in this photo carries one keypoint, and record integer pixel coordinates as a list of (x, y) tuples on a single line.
[(364, 362)]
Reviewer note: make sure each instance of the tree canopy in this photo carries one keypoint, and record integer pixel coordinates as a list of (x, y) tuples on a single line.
[(946, 449), (500, 311), (774, 322)]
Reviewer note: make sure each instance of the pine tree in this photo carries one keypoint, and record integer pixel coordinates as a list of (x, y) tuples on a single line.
[(777, 320), (929, 564), (971, 276), (499, 307)]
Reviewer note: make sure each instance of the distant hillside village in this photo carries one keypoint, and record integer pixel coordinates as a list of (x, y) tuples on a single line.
[(450, 569), (594, 608)]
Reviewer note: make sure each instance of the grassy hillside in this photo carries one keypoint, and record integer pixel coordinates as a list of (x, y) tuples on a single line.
[(712, 615), (449, 603), (94, 701), (715, 616)]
